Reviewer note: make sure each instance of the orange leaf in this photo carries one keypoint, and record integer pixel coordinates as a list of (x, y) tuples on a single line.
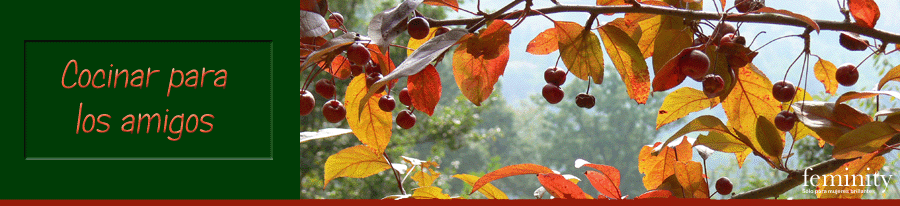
[(892, 75), (425, 89), (682, 102), (670, 76), (580, 51), (803, 18), (750, 98), (655, 194), (825, 71), (512, 170), (611, 2), (690, 177), (559, 187), (340, 67), (862, 168), (627, 57), (480, 60), (382, 59), (454, 4), (488, 190), (545, 43), (606, 184), (310, 44), (865, 12), (656, 168), (370, 125), (355, 162)]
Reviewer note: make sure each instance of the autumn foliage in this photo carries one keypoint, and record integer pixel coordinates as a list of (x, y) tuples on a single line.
[(678, 49)]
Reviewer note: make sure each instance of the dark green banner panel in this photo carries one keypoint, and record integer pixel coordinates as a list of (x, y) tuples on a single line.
[(148, 100), (169, 100)]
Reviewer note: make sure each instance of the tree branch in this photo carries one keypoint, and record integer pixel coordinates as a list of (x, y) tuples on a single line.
[(885, 36), (794, 179)]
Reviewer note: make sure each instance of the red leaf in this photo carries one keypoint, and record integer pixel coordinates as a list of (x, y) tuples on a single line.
[(340, 67), (559, 187), (545, 43), (310, 44), (448, 3), (865, 12), (606, 184), (512, 170), (425, 89), (670, 75), (655, 194)]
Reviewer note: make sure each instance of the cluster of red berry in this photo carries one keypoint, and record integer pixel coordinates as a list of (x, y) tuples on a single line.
[(552, 92), (361, 63)]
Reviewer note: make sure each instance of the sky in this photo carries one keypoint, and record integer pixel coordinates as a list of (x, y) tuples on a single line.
[(524, 73)]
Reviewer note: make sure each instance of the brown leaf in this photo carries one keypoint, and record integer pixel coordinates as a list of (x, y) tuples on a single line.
[(865, 12), (865, 94), (310, 44), (829, 120), (512, 170), (803, 18), (863, 140)]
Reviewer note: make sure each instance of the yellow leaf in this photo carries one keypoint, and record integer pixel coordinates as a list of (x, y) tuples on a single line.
[(850, 176), (627, 58), (656, 168), (580, 51), (430, 192), (682, 102), (750, 98), (825, 71), (741, 156), (721, 142), (649, 31), (488, 190), (355, 162), (425, 179), (414, 43), (372, 126), (690, 177)]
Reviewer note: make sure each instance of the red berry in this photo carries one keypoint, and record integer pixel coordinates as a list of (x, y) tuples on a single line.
[(418, 28), (334, 111), (745, 6), (721, 30), (740, 40), (694, 64), (785, 120), (371, 79), (852, 42), (405, 98), (847, 75), (783, 91), (728, 38), (337, 17), (358, 54), (713, 85), (406, 119), (724, 186), (585, 100), (307, 102), (356, 70), (386, 103), (552, 93), (325, 87), (441, 30), (372, 67), (555, 76)]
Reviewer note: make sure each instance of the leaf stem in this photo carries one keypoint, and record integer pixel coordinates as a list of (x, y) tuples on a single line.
[(396, 174)]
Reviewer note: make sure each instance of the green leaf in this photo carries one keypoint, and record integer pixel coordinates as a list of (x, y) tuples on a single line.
[(768, 139), (863, 140), (721, 142)]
